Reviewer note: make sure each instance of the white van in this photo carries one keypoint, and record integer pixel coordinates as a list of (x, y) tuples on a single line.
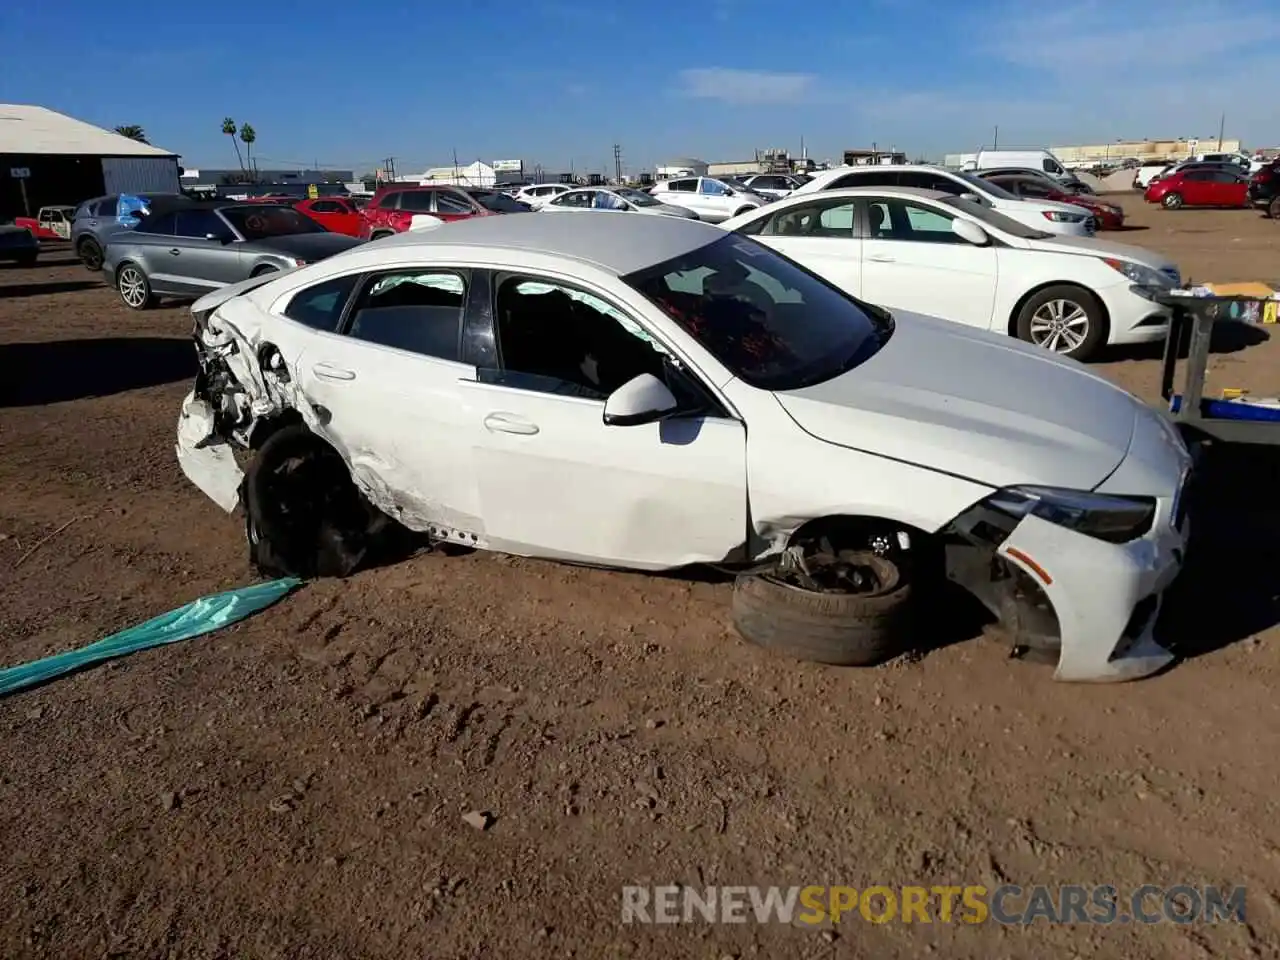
[(1041, 160)]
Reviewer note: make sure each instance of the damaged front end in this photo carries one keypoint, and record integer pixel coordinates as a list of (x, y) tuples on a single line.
[(1075, 578)]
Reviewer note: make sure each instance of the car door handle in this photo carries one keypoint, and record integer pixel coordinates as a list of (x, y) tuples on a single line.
[(509, 423), (327, 371), (881, 258), (175, 251)]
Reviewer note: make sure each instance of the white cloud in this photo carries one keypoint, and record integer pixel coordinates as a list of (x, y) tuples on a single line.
[(745, 86)]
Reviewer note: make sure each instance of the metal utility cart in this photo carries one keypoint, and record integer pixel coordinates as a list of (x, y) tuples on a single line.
[(1226, 420)]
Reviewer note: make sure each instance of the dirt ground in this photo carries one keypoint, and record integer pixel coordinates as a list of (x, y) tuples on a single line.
[(294, 786)]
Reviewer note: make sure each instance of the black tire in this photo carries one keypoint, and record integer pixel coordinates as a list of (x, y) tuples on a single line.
[(1273, 208), (263, 270), (845, 629), (304, 516), (738, 213), (379, 234), (1095, 333), (134, 297), (90, 254), (1172, 201)]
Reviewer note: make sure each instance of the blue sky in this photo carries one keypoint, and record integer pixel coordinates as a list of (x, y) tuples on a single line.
[(560, 81)]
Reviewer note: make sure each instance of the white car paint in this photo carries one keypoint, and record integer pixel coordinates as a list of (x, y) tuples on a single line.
[(711, 199), (934, 421), (1041, 160), (1047, 215), (613, 200), (979, 286), (538, 194)]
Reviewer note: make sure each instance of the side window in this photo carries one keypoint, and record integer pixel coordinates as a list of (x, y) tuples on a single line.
[(682, 186), (872, 178), (1196, 175), (161, 224), (106, 208), (933, 181), (320, 306), (1226, 176), (415, 310), (711, 188), (327, 206), (390, 202), (556, 339), (821, 218), (1030, 188), (198, 224), (416, 201), (903, 220), (451, 204), (1050, 167)]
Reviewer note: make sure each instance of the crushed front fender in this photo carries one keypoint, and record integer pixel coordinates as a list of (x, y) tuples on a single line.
[(205, 458)]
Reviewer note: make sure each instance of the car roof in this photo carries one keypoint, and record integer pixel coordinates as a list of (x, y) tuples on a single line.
[(834, 172), (853, 192), (618, 247)]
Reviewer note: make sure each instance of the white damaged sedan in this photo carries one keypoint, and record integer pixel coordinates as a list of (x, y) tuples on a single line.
[(649, 393)]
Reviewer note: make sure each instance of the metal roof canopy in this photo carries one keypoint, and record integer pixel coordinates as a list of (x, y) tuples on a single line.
[(33, 131)]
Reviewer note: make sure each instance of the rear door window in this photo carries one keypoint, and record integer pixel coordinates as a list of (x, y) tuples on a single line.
[(418, 310)]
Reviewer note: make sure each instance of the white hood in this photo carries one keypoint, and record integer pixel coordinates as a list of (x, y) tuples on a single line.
[(973, 404), (1097, 247)]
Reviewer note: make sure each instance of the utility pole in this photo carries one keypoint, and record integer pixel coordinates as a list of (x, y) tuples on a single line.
[(1222, 126), (617, 162), (995, 142)]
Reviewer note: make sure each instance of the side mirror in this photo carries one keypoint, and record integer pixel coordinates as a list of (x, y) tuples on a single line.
[(643, 399), (970, 232)]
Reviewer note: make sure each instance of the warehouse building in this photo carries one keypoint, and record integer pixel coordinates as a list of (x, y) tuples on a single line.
[(49, 159)]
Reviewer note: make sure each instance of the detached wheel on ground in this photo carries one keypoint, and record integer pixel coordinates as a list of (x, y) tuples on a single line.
[(1065, 319), (90, 254), (861, 624), (1172, 201), (135, 289)]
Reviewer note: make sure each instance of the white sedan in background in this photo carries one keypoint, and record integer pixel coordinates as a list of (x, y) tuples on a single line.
[(945, 256), (615, 199), (537, 194), (1043, 215), (649, 392), (711, 199)]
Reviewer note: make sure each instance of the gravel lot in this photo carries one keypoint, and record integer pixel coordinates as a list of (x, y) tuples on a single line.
[(294, 786)]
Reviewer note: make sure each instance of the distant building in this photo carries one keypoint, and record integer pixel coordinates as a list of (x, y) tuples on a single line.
[(681, 167), (477, 174), (858, 157), (49, 159), (1178, 149)]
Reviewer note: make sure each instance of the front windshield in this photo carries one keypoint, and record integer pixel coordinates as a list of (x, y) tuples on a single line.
[(998, 220), (986, 187), (259, 221), (771, 323), (638, 197)]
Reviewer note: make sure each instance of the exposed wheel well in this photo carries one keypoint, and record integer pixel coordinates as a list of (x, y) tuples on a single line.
[(1012, 327), (861, 531), (264, 428)]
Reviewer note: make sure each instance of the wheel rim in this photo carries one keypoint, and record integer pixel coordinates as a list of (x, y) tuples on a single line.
[(1059, 325), (1173, 201), (91, 256), (133, 287)]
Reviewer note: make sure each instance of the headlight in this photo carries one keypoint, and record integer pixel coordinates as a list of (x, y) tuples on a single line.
[(1059, 216), (1110, 518), (1142, 276)]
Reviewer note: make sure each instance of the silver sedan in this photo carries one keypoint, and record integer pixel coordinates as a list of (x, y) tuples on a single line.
[(617, 200)]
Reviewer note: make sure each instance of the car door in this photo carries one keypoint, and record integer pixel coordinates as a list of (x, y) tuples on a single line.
[(555, 480), (206, 252), (155, 243), (713, 200), (683, 192), (1229, 188), (383, 361), (911, 260), (1197, 188), (818, 234)]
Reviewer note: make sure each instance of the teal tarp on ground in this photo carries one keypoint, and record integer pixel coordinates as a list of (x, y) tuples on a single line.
[(190, 620)]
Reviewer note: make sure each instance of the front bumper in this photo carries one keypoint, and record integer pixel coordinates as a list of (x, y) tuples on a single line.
[(207, 462), (1106, 596)]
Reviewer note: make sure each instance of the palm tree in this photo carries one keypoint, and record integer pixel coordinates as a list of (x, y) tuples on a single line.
[(248, 135), (133, 132), (229, 128)]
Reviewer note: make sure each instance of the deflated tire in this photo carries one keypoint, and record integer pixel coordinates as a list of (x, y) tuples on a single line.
[(848, 629)]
